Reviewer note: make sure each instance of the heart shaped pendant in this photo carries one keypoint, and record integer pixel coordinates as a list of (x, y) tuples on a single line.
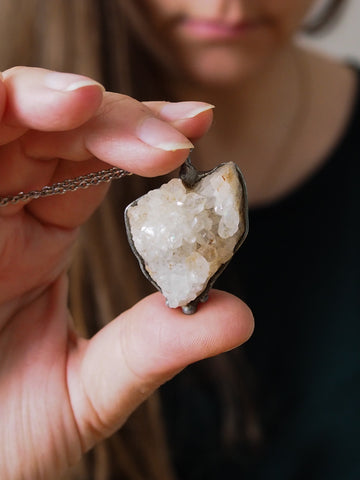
[(185, 233)]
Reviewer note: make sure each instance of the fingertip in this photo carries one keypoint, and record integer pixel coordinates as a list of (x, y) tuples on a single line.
[(60, 110), (238, 313), (49, 101), (159, 134), (66, 82), (76, 106), (165, 162), (197, 127), (222, 323), (192, 118)]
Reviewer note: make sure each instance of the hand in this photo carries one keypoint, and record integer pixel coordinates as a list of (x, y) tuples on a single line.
[(60, 394)]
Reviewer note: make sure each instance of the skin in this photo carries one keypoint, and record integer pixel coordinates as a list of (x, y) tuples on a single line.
[(274, 112), (60, 394), (246, 35)]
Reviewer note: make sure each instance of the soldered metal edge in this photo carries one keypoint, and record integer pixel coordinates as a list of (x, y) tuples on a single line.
[(190, 176)]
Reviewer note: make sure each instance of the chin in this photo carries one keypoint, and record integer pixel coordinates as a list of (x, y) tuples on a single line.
[(211, 78), (224, 68)]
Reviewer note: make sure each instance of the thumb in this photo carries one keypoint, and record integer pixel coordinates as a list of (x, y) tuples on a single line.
[(143, 348)]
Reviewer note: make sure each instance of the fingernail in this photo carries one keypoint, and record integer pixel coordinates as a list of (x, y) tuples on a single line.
[(82, 84), (159, 134), (182, 110), (66, 82)]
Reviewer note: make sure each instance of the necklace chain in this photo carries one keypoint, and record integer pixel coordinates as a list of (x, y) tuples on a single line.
[(68, 185)]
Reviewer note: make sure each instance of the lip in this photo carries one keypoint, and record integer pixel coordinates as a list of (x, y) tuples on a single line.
[(217, 29)]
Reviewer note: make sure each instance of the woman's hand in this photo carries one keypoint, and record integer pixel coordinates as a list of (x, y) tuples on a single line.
[(60, 394)]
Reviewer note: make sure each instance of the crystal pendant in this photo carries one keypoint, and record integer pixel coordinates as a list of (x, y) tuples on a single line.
[(185, 233)]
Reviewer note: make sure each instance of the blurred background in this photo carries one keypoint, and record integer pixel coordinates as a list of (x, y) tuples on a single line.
[(343, 38)]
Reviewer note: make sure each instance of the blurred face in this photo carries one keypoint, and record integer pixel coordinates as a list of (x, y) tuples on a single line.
[(223, 41)]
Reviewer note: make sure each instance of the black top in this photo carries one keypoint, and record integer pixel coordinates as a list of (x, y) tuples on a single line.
[(298, 270)]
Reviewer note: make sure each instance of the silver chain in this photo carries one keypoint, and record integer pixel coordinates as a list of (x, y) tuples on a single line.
[(69, 185)]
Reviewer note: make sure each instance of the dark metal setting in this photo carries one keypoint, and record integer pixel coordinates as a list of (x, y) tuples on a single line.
[(190, 176)]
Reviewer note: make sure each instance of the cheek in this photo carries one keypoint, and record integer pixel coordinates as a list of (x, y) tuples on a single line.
[(287, 16), (161, 10)]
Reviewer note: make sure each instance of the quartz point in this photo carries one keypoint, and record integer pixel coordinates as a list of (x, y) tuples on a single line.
[(186, 232)]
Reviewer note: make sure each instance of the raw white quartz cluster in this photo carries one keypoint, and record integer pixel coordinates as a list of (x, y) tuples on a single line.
[(184, 235)]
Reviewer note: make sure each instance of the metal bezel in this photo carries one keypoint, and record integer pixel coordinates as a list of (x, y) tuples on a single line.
[(190, 176)]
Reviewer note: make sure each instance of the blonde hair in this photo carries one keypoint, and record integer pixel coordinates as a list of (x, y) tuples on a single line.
[(84, 37)]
